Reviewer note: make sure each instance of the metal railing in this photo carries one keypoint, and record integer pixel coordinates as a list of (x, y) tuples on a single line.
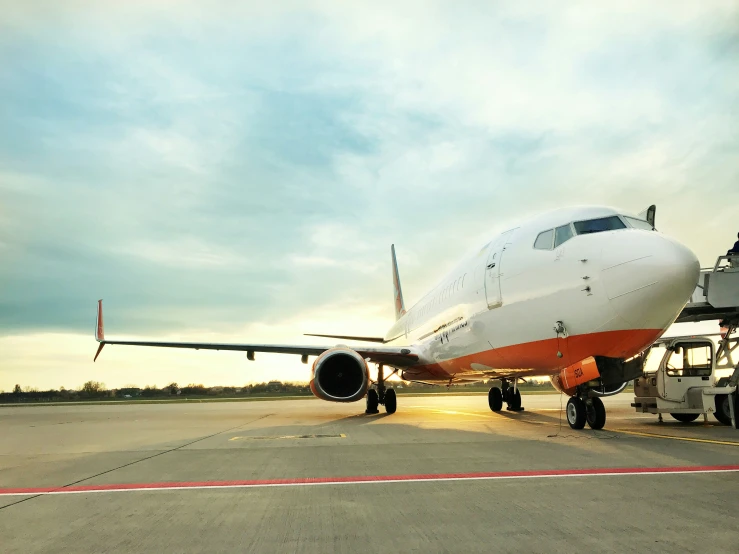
[(732, 262)]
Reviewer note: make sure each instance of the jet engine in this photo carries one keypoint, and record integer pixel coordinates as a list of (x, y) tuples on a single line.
[(340, 375), (596, 386), (603, 376), (608, 390)]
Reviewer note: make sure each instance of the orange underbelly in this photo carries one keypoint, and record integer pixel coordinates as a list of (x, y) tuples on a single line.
[(540, 357)]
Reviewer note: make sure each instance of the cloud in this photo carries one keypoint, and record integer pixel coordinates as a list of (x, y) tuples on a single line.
[(205, 167)]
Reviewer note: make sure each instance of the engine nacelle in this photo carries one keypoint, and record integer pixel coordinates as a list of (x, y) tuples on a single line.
[(609, 390), (605, 376), (570, 377), (596, 387), (340, 375)]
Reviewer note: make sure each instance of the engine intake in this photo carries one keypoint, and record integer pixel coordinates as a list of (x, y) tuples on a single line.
[(340, 375)]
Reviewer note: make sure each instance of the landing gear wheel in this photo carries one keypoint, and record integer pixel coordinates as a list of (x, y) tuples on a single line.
[(390, 401), (722, 412), (514, 404), (373, 400), (495, 399), (576, 413), (685, 418), (595, 413)]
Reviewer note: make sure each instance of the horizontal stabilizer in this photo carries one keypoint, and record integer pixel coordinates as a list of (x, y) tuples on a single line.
[(348, 337)]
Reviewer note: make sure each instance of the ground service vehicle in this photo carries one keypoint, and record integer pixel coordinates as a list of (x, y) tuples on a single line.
[(680, 378)]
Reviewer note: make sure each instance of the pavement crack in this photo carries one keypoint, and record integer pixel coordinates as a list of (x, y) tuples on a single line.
[(163, 452)]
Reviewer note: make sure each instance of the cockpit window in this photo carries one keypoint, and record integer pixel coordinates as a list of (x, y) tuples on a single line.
[(638, 223), (544, 240), (599, 225), (562, 235)]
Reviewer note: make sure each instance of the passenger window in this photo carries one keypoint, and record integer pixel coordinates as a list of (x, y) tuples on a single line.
[(562, 235), (690, 360), (544, 240), (599, 225)]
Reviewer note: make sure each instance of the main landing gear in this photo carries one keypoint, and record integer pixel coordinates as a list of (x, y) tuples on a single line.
[(508, 394), (583, 409), (381, 395)]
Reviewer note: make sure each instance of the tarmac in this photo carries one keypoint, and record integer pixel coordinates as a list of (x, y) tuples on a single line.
[(443, 474)]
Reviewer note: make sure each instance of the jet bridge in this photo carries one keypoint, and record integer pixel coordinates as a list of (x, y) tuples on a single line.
[(716, 296)]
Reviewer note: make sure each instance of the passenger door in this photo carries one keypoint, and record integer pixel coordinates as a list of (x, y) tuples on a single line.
[(492, 270)]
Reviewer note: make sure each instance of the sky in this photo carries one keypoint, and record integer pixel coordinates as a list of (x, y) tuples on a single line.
[(236, 172)]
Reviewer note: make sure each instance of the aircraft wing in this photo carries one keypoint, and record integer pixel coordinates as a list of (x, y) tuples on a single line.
[(393, 356)]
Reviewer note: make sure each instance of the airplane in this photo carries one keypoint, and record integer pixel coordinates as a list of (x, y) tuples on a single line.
[(577, 294)]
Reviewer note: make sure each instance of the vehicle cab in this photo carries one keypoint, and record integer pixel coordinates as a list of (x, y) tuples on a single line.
[(680, 379)]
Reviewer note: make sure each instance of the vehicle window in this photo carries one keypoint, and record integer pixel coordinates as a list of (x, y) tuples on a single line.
[(654, 358), (562, 234), (690, 360), (638, 223), (611, 223), (544, 240)]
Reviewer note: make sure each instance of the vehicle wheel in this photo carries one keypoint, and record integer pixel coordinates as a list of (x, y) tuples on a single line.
[(595, 413), (495, 399), (685, 418), (372, 402), (576, 413), (723, 413), (515, 403), (390, 401)]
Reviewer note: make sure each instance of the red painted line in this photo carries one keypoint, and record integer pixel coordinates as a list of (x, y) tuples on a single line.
[(590, 472)]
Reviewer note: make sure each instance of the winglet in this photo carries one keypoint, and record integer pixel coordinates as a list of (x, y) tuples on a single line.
[(397, 292), (99, 330)]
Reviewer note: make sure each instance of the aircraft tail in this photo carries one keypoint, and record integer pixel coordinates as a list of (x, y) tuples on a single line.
[(397, 292)]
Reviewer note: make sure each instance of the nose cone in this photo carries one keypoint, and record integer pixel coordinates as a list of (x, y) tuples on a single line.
[(649, 278)]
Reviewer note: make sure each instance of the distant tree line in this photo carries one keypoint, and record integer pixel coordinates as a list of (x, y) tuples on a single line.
[(95, 390)]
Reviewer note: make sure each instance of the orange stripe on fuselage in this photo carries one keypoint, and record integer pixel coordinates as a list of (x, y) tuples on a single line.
[(540, 357)]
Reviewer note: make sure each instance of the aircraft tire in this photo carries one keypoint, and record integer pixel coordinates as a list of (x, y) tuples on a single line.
[(576, 413), (515, 403), (391, 403), (373, 401), (495, 399), (595, 414), (685, 418), (722, 412)]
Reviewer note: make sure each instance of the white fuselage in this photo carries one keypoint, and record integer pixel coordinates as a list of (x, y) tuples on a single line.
[(614, 292)]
